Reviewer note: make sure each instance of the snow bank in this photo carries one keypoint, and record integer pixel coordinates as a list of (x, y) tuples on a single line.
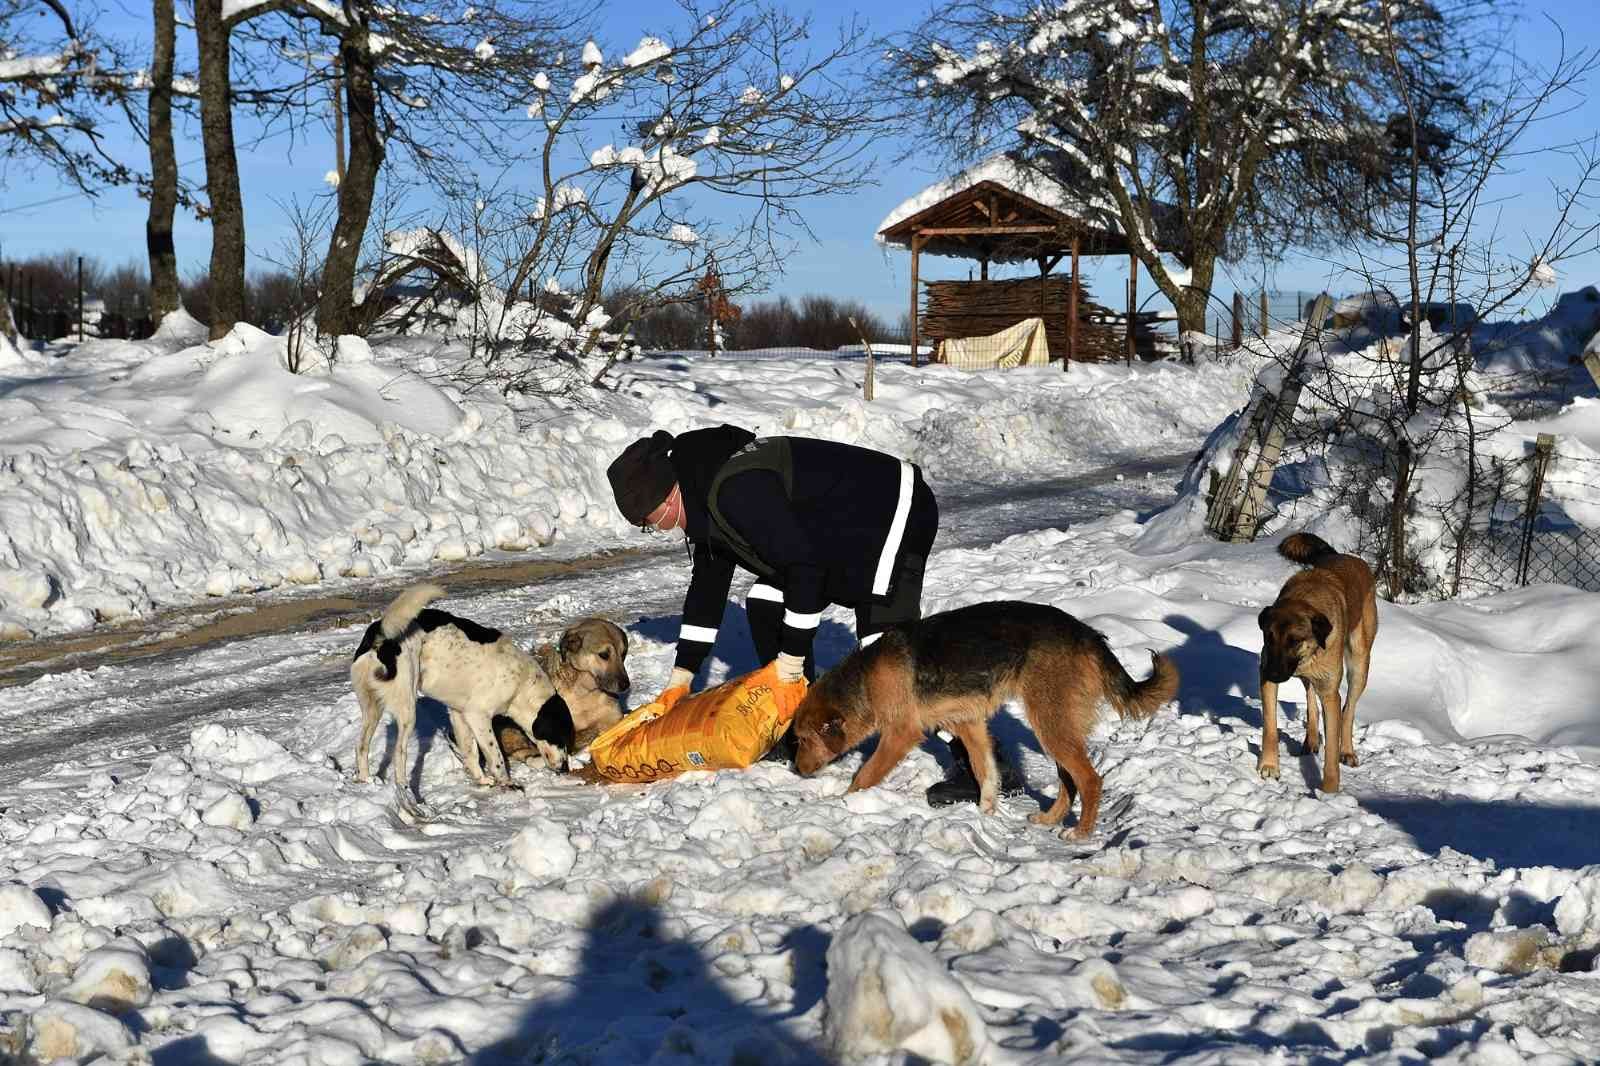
[(166, 471)]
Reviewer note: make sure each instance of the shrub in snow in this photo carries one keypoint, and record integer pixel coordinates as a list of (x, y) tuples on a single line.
[(113, 978), (886, 993), (20, 906)]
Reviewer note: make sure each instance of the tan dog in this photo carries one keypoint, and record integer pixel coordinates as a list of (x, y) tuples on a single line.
[(953, 670), (1320, 629), (587, 666)]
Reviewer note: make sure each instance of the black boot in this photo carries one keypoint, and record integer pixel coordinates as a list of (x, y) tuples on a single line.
[(784, 750), (960, 784)]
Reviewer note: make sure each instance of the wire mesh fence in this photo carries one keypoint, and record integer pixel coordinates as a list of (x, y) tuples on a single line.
[(47, 322), (889, 349), (1256, 313), (1535, 525)]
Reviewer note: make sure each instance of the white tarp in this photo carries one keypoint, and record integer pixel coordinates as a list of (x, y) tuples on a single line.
[(1023, 344)]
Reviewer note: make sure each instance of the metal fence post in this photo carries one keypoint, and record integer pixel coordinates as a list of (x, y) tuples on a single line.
[(80, 299), (1543, 447)]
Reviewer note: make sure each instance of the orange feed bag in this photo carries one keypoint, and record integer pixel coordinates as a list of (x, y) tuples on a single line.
[(727, 727)]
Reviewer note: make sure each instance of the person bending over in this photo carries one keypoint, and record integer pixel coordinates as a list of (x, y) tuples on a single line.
[(816, 521)]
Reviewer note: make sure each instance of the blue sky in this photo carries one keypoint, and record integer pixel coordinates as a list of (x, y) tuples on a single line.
[(36, 215)]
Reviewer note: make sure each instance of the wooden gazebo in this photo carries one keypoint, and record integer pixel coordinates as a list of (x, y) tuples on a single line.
[(1004, 211)]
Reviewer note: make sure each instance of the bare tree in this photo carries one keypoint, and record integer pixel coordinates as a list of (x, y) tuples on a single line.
[(727, 127), (287, 298), (226, 209), (53, 86), (159, 246), (428, 79), (54, 81), (1215, 129), (735, 122), (1401, 423)]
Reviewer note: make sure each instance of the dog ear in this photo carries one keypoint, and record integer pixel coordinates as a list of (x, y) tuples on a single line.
[(1322, 628), (571, 643), (1261, 619)]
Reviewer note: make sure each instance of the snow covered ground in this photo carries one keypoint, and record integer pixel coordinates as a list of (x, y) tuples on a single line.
[(188, 874)]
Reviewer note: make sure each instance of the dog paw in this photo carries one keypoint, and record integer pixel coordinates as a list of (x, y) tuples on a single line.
[(1267, 769), (1077, 833), (1042, 818), (1311, 746), (1349, 759)]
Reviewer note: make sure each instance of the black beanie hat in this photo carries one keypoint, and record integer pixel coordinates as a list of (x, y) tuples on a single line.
[(642, 476)]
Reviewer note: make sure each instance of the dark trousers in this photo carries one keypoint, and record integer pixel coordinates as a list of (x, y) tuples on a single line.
[(903, 603)]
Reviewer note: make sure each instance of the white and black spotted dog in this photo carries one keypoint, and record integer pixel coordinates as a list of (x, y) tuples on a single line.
[(479, 674)]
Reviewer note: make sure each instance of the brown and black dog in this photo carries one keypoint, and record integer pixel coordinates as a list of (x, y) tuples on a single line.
[(1320, 629), (953, 670)]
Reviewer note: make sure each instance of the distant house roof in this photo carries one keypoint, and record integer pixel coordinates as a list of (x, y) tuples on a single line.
[(1005, 211)]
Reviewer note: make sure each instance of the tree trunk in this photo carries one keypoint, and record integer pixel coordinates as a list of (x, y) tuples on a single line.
[(337, 312), (1188, 300), (1398, 505), (222, 169), (8, 325), (164, 296)]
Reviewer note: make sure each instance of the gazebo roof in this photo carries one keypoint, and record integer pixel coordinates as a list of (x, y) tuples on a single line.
[(1006, 212)]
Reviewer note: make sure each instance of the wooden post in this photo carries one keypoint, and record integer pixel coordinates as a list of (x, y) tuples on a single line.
[(80, 299), (866, 384), (1133, 303), (1544, 447), (1591, 358), (916, 255), (1248, 521), (1220, 511), (1072, 312), (1265, 325), (983, 269), (1238, 319)]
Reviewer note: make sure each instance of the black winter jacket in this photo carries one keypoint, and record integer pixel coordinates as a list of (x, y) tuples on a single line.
[(836, 537)]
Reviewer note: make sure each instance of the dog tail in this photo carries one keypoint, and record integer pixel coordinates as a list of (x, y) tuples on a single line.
[(1307, 549), (1141, 699), (405, 608)]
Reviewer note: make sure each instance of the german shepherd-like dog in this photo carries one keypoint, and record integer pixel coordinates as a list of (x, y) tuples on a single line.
[(953, 670), (481, 675), (1319, 629)]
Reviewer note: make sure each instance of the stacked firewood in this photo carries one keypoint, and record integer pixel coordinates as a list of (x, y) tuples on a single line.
[(979, 308)]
